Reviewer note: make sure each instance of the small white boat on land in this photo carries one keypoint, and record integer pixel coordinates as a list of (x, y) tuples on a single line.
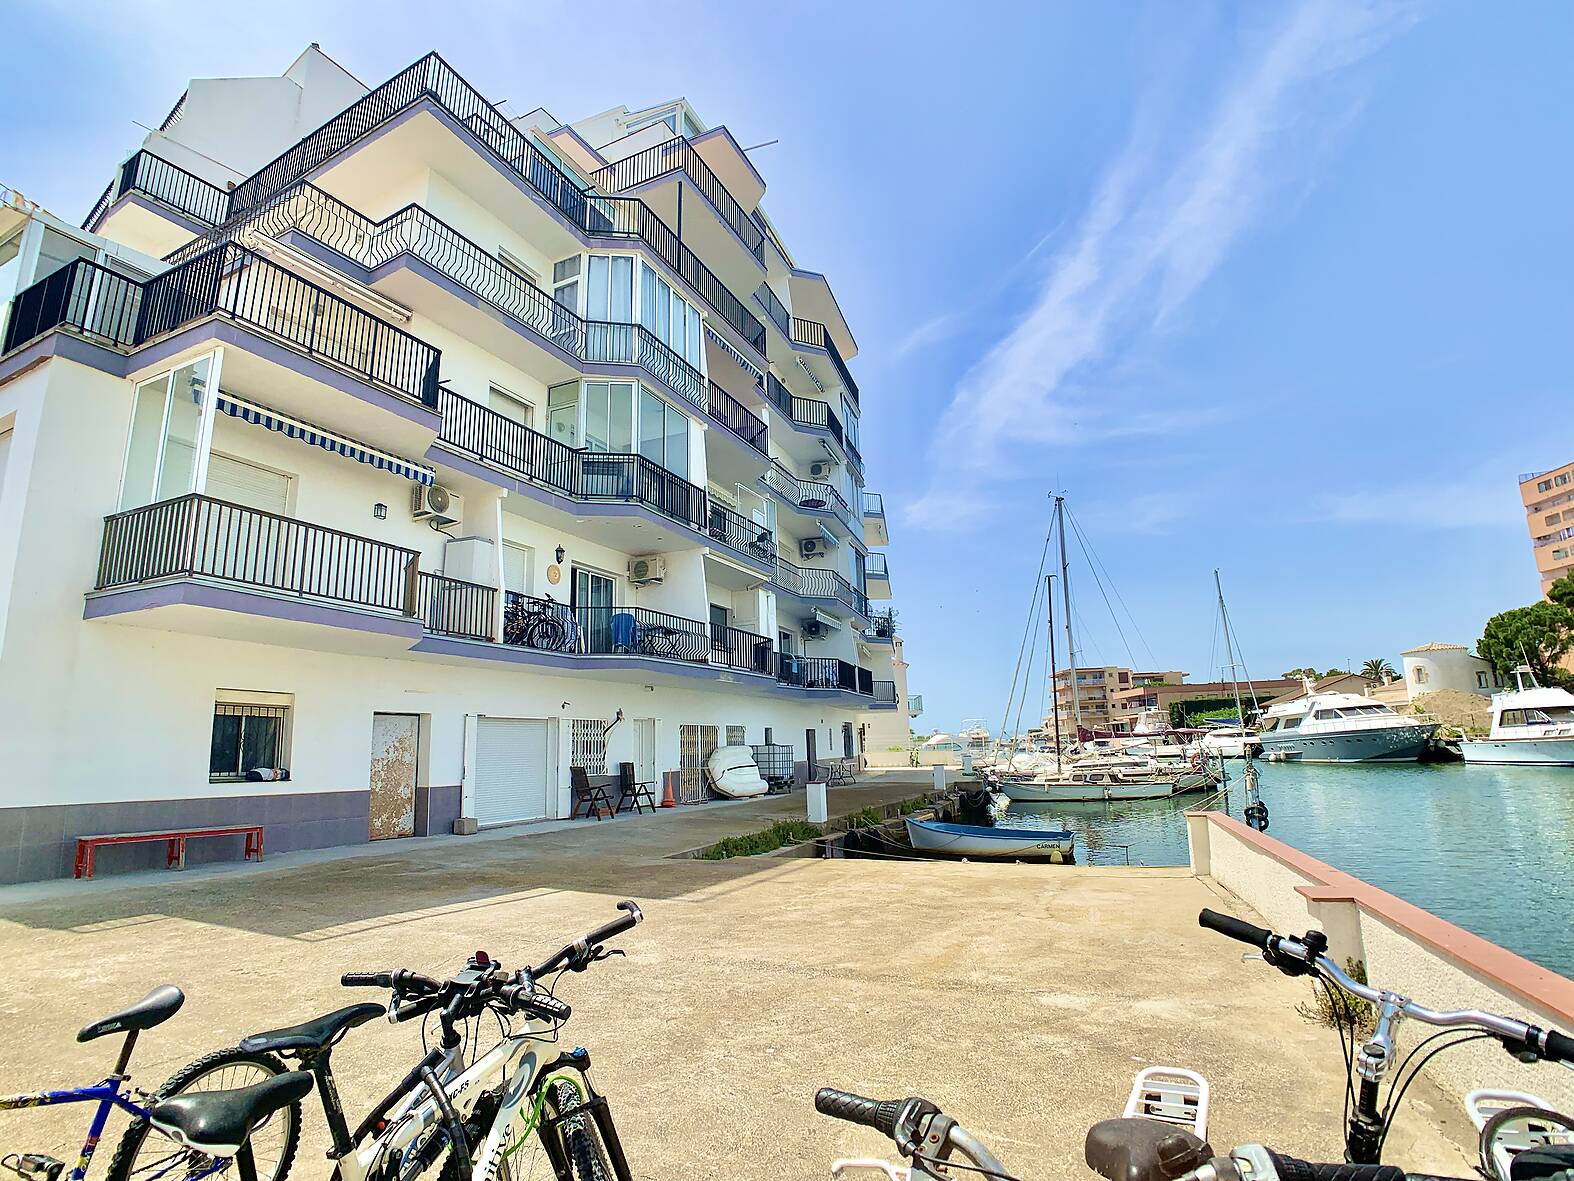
[(976, 840), (1531, 727)]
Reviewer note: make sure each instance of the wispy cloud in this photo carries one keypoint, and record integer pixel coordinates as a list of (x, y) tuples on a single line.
[(931, 331), (1157, 226), (1483, 499)]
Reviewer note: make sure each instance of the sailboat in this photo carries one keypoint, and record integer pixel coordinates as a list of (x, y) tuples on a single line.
[(1230, 740)]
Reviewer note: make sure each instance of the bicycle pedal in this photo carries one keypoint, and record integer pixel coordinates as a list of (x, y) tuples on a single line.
[(34, 1166)]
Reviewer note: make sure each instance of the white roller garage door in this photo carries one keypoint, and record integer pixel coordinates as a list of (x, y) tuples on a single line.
[(510, 770)]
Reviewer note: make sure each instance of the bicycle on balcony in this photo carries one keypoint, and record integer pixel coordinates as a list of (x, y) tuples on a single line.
[(544, 624)]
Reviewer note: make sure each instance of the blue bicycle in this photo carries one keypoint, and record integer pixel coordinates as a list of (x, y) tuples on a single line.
[(157, 1147)]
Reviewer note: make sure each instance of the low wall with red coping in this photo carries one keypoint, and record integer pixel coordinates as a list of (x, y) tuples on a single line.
[(1405, 949)]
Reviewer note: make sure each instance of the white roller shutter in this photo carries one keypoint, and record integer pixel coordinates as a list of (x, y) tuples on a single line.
[(244, 483), (510, 770)]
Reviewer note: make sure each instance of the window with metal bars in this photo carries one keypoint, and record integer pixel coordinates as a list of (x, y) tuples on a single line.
[(588, 739), (735, 735), (248, 738)]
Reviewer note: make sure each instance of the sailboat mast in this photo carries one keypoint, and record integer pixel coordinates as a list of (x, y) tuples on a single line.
[(1049, 625), (1229, 649), (1065, 593)]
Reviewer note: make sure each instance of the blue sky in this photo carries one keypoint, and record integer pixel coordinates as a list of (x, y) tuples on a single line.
[(1278, 288)]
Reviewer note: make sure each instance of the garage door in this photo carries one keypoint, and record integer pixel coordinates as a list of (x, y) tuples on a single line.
[(510, 770)]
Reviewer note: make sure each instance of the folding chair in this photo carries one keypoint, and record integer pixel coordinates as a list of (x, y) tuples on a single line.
[(592, 797), (631, 794)]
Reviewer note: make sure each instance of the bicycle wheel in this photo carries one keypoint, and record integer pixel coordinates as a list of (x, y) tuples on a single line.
[(579, 1135), (1517, 1129), (146, 1154), (547, 633)]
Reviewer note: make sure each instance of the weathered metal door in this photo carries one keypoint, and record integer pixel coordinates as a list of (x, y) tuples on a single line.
[(395, 750), (696, 744)]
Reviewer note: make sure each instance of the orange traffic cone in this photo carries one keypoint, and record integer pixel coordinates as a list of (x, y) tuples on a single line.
[(667, 799)]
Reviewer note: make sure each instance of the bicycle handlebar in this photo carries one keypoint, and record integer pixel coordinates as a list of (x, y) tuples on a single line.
[(879, 1114), (1297, 956), (920, 1129), (578, 953), (1289, 1168)]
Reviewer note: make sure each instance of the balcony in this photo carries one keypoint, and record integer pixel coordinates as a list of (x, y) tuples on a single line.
[(808, 496), (882, 627), (433, 80), (454, 607), (875, 531), (733, 415), (546, 625), (677, 155), (816, 582), (197, 203), (813, 417), (884, 695), (877, 576), (823, 672), (478, 431), (813, 335), (195, 536), (234, 283)]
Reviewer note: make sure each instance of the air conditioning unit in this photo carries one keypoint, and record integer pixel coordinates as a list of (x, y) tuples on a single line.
[(813, 629), (646, 571), (821, 469), (812, 547), (434, 502)]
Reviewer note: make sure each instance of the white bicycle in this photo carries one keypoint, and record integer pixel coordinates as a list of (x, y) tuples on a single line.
[(518, 1094)]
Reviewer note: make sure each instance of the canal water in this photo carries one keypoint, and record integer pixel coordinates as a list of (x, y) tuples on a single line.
[(1487, 848)]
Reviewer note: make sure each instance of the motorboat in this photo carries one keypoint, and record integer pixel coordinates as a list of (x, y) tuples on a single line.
[(1104, 786), (977, 840), (1229, 742), (1343, 728), (1531, 727)]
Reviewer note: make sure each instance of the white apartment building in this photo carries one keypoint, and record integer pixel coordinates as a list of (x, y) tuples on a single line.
[(369, 458)]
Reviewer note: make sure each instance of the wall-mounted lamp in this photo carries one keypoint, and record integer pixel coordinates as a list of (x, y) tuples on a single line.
[(559, 555), (380, 511)]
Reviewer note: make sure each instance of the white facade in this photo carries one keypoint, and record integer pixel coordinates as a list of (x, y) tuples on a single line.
[(217, 555), (1448, 666)]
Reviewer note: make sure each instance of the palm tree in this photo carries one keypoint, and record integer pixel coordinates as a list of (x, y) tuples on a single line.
[(1378, 670)]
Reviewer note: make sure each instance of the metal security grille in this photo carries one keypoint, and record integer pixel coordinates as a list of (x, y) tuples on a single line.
[(588, 738), (246, 738), (696, 744), (735, 736)]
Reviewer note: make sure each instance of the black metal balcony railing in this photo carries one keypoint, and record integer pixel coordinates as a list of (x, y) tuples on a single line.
[(774, 308), (167, 183), (884, 693), (778, 395), (81, 295), (823, 672), (882, 625), (678, 155), (811, 412), (874, 504), (234, 282), (817, 582), (549, 626), (592, 475), (433, 79), (733, 415), (738, 532), (454, 607), (807, 494), (875, 567), (196, 536), (815, 335)]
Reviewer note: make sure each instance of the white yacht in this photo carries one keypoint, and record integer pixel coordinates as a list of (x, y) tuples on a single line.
[(1229, 742), (1343, 728), (1531, 727)]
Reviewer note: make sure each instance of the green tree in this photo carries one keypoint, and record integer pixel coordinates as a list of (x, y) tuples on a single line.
[(1378, 669), (1561, 592), (1538, 635), (1296, 673)]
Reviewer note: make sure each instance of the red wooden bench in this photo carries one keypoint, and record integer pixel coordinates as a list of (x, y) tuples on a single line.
[(175, 854)]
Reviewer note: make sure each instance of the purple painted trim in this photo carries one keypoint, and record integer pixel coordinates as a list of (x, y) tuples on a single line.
[(225, 331), (591, 241), (810, 601), (245, 601), (170, 214), (720, 131), (560, 662), (68, 346)]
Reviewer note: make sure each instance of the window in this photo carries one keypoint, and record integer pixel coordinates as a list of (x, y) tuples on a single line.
[(663, 434), (565, 283), (588, 745), (1512, 717), (511, 406), (609, 416), (1481, 679), (609, 288), (512, 264), (1561, 480), (1551, 518), (674, 320), (1290, 724), (250, 737), (563, 414), (1544, 486), (1421, 675), (850, 422), (161, 452), (718, 637), (736, 736)]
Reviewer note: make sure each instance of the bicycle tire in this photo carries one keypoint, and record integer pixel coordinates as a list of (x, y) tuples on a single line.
[(1490, 1129), (579, 1136), (121, 1168)]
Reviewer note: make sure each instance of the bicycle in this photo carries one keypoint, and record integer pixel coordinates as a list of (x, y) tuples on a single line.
[(543, 624), (491, 1105), (923, 1133), (224, 1070), (1367, 1124)]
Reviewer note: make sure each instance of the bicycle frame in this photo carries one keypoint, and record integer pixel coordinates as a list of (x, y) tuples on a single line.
[(109, 1094)]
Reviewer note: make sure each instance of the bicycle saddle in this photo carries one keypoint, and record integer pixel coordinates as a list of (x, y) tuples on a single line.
[(217, 1123), (313, 1034), (154, 1009), (1142, 1150)]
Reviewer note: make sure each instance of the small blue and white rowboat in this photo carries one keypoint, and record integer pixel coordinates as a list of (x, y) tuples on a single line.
[(976, 840)]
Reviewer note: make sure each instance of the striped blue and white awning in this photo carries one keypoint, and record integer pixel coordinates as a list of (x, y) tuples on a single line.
[(294, 428)]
